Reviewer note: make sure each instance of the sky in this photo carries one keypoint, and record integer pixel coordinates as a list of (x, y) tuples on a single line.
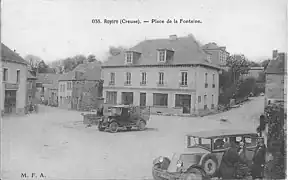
[(57, 29)]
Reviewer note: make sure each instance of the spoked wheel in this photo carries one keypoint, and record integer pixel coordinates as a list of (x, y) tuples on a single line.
[(113, 127), (142, 125)]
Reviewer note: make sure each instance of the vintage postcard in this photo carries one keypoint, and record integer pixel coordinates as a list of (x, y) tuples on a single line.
[(143, 90)]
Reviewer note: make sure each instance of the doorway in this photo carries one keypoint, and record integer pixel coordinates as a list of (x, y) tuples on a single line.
[(127, 98), (142, 99), (10, 101), (184, 101)]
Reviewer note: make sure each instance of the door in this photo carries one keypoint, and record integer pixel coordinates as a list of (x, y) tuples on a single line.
[(127, 98), (183, 101), (142, 99)]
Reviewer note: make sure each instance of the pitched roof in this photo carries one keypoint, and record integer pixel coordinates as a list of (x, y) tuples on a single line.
[(91, 71), (31, 75), (9, 55), (210, 46), (277, 66), (186, 51), (47, 78)]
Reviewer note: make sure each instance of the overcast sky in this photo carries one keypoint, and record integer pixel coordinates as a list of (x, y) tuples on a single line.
[(55, 29)]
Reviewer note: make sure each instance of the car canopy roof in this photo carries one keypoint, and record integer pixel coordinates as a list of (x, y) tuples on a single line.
[(222, 133)]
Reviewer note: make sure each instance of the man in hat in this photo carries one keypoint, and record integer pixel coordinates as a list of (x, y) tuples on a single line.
[(229, 161)]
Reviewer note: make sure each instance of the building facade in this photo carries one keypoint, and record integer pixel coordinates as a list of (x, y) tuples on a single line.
[(276, 77), (81, 89), (219, 54), (14, 76), (170, 75), (47, 88), (31, 87)]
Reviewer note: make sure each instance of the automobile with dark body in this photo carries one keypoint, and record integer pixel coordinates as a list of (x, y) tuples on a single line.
[(124, 116), (203, 154)]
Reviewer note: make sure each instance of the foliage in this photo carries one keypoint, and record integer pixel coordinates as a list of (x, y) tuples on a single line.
[(245, 87), (71, 63), (91, 58), (254, 64), (275, 119), (224, 98), (114, 51), (33, 61), (239, 65)]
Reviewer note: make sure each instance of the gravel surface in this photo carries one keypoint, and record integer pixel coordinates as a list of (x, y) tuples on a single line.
[(56, 143)]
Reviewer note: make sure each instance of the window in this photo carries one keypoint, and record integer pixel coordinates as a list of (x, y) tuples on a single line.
[(111, 97), (213, 85), (64, 88), (282, 81), (112, 78), (18, 76), (205, 101), (161, 78), (5, 74), (143, 77), (206, 80), (162, 55), (184, 78), (69, 85), (128, 78), (212, 102), (160, 99), (199, 99), (128, 57)]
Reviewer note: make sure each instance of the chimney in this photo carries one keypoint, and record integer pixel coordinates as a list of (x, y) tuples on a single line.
[(275, 54), (173, 37)]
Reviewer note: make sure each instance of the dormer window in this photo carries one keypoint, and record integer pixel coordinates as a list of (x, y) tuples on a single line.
[(129, 57), (162, 55)]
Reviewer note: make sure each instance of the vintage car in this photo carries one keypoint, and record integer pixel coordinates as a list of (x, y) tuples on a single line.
[(124, 116), (202, 156)]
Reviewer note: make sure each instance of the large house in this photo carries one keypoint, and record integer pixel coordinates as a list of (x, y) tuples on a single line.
[(276, 75), (219, 54), (47, 88), (81, 89), (171, 75), (14, 74), (31, 87)]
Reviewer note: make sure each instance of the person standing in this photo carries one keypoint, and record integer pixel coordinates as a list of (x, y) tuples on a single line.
[(258, 160), (230, 158)]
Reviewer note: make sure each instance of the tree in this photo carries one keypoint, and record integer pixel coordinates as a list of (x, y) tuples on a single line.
[(33, 61), (91, 58), (71, 63), (245, 87), (42, 67), (239, 65), (114, 51)]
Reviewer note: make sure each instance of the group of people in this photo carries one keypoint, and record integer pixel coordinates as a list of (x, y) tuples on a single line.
[(235, 155)]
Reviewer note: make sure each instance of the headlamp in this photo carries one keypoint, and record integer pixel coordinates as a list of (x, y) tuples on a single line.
[(161, 159), (179, 164)]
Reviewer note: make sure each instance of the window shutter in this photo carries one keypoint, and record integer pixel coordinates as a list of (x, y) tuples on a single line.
[(180, 77)]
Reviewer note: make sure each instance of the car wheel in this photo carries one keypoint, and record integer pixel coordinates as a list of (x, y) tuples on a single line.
[(113, 127), (210, 164), (142, 125)]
